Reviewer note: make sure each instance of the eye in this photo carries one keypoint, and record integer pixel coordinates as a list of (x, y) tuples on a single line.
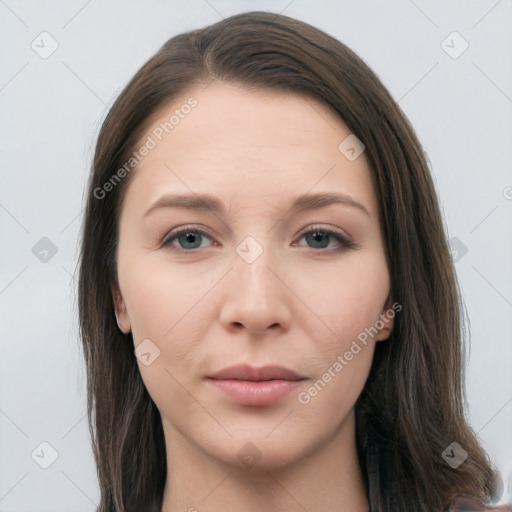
[(189, 238), (320, 237)]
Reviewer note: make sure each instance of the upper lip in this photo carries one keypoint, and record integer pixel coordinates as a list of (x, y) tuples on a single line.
[(252, 373)]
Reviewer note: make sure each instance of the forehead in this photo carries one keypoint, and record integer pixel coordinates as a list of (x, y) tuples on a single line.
[(250, 145)]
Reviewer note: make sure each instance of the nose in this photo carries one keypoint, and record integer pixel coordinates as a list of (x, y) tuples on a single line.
[(255, 295)]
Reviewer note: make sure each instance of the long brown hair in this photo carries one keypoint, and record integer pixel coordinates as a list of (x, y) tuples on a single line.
[(412, 406)]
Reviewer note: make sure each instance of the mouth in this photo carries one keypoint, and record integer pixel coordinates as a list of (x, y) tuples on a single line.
[(254, 374), (249, 385)]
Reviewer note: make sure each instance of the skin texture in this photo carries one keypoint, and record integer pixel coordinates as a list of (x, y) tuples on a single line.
[(299, 304)]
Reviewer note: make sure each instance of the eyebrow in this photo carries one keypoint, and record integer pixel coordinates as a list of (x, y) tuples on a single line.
[(202, 202)]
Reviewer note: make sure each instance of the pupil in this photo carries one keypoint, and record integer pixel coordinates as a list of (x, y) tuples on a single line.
[(317, 236), (189, 238)]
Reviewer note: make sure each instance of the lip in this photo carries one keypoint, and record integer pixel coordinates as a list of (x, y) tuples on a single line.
[(249, 385), (248, 372)]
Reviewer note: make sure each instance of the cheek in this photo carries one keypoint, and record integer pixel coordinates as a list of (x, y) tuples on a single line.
[(161, 300), (347, 303), (171, 307), (345, 300), (326, 403)]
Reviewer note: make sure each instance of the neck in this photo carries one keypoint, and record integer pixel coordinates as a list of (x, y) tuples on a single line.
[(327, 480)]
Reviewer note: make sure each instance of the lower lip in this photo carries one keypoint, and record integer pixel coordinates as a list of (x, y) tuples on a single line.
[(248, 392)]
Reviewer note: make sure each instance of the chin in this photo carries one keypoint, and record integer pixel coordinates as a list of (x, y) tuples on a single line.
[(261, 454)]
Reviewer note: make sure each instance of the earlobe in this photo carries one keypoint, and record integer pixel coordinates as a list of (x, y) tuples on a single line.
[(123, 321), (386, 320)]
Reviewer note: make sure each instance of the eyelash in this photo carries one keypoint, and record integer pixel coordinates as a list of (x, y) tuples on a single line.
[(342, 239)]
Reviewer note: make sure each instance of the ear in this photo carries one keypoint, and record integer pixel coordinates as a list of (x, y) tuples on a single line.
[(386, 320), (123, 321)]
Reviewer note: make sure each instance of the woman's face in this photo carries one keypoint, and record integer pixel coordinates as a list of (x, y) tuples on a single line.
[(257, 281)]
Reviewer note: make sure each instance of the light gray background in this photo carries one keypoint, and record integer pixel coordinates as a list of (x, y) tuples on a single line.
[(51, 110)]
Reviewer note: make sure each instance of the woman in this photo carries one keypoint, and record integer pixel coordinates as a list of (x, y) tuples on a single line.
[(304, 353)]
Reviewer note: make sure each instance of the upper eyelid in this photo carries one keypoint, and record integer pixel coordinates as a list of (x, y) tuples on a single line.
[(184, 229), (203, 230)]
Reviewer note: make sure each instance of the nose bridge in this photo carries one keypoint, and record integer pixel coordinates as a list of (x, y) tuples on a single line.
[(251, 268), (255, 297)]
